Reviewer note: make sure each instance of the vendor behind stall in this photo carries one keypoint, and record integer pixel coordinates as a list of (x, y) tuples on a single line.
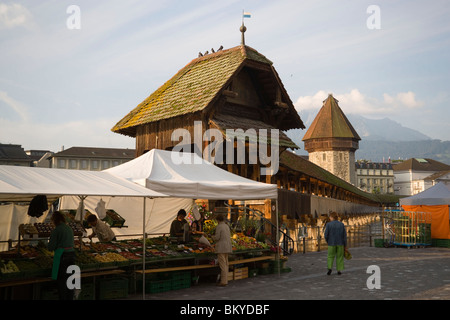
[(177, 226), (61, 242), (100, 229)]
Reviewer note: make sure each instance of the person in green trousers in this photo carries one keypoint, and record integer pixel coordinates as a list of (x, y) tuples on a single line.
[(336, 238)]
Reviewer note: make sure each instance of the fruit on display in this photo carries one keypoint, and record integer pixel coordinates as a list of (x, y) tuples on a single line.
[(26, 265), (44, 228), (77, 228), (109, 257), (43, 261), (240, 241), (29, 252), (8, 267), (83, 258), (130, 255)]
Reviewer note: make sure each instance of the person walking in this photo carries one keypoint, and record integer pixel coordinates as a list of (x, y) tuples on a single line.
[(336, 238), (223, 248)]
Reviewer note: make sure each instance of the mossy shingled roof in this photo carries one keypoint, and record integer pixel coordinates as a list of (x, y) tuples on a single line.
[(192, 89)]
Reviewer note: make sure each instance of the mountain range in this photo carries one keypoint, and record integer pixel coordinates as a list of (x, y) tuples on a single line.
[(383, 139)]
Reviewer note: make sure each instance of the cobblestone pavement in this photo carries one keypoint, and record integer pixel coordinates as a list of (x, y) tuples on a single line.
[(405, 274)]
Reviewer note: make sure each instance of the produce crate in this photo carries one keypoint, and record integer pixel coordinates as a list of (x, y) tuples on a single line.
[(379, 243), (264, 270), (240, 273), (253, 273), (276, 266), (181, 280), (157, 286), (113, 219), (113, 288), (442, 243), (286, 269), (181, 284)]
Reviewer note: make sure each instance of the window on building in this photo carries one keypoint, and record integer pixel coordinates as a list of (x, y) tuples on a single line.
[(72, 164), (324, 157), (94, 164), (61, 163), (105, 164), (84, 164)]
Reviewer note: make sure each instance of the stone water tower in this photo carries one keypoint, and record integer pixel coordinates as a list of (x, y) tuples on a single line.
[(331, 141)]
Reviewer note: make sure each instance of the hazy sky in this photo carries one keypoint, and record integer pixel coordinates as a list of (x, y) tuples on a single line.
[(61, 85)]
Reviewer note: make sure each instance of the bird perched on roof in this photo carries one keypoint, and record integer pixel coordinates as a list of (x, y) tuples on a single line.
[(212, 50), (206, 52), (220, 48), (200, 54)]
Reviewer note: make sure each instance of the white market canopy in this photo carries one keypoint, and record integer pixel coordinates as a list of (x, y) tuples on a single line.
[(187, 175), (438, 194), (23, 183)]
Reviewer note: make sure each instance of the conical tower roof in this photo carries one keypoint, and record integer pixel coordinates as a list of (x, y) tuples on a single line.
[(331, 122), (331, 129)]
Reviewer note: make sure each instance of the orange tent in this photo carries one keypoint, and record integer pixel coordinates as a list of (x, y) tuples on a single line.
[(440, 227), (435, 200)]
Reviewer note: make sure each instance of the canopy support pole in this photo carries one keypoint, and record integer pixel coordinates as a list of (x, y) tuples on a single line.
[(143, 251), (277, 259)]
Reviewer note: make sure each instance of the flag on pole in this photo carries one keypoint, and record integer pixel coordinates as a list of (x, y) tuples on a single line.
[(246, 15)]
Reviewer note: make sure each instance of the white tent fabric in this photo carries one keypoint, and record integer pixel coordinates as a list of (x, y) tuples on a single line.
[(159, 212), (438, 194), (187, 175), (11, 216), (23, 183)]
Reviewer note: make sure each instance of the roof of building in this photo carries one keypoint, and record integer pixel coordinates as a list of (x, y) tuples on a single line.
[(13, 152), (331, 122), (373, 165), (197, 85), (93, 152), (421, 164), (298, 163), (438, 175), (229, 122)]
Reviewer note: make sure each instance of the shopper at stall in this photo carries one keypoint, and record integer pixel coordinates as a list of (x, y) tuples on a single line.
[(336, 238), (223, 247), (177, 226), (61, 242), (100, 229)]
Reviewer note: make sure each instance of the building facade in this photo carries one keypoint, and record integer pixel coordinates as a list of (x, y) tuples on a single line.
[(412, 175), (375, 177), (92, 159)]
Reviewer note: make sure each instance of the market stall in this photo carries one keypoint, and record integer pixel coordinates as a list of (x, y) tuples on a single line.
[(187, 175), (190, 178), (24, 184)]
